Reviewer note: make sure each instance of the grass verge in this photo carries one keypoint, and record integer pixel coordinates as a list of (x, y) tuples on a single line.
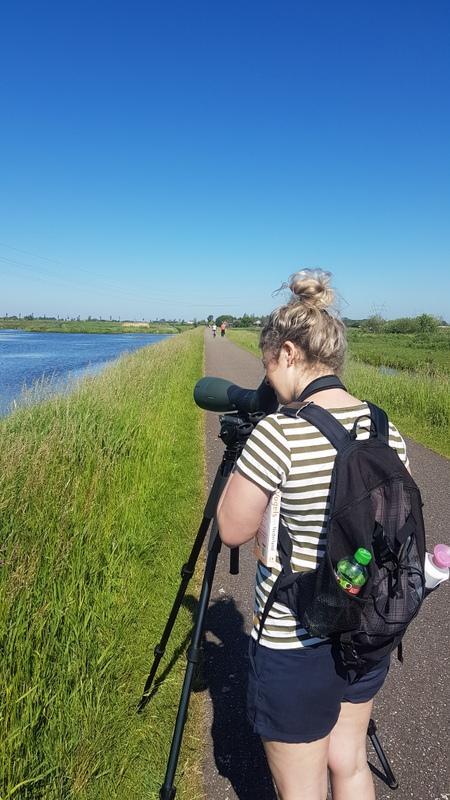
[(248, 340), (418, 402), (101, 494)]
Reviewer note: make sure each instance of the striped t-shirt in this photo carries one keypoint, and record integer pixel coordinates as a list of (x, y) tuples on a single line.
[(292, 455)]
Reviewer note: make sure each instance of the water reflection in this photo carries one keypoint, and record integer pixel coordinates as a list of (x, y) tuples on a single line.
[(387, 370)]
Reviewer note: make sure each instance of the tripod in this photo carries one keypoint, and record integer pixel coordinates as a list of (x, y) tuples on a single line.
[(234, 433)]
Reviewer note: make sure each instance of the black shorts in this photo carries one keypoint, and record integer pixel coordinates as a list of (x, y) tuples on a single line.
[(296, 695)]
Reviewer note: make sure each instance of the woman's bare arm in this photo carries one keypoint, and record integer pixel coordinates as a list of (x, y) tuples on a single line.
[(240, 510)]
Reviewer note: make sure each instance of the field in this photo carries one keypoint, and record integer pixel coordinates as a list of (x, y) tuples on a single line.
[(86, 326), (417, 400), (403, 351), (101, 494)]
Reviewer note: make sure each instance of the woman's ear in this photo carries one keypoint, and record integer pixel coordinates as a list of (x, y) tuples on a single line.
[(291, 353)]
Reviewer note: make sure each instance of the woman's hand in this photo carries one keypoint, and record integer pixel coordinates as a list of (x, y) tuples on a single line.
[(240, 510)]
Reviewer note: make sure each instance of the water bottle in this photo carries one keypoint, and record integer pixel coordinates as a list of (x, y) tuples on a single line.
[(437, 566), (352, 572)]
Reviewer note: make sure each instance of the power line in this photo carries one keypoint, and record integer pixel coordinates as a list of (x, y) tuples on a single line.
[(114, 290), (162, 297)]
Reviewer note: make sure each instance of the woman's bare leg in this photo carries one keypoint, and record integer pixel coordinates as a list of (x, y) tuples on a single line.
[(299, 770), (350, 775)]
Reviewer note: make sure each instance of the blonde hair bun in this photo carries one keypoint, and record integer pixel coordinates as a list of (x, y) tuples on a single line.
[(305, 320), (311, 287)]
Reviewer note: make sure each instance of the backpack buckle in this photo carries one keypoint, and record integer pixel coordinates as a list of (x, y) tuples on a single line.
[(350, 657), (303, 405)]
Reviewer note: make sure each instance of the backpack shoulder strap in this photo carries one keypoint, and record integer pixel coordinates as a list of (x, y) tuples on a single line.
[(380, 421), (336, 434)]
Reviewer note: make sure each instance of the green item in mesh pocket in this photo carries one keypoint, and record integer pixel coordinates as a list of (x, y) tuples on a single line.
[(351, 571)]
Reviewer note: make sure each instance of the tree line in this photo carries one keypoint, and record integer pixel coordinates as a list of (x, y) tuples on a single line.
[(423, 323)]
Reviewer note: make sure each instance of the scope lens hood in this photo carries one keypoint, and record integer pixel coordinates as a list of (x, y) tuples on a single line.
[(218, 394)]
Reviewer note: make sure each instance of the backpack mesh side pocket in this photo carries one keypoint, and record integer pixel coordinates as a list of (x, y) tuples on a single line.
[(333, 610), (396, 601)]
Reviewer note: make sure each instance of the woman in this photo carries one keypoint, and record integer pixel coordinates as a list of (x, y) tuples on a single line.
[(311, 714)]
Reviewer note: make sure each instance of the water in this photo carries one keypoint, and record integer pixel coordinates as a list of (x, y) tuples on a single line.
[(387, 370), (53, 360)]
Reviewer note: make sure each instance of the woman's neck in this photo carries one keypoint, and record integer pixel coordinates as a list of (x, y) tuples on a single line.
[(327, 398), (334, 398)]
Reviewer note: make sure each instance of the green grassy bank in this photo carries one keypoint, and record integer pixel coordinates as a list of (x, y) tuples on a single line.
[(418, 402), (101, 493), (87, 326)]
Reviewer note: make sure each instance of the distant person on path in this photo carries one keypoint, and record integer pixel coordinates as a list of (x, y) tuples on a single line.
[(223, 328), (311, 713), (214, 329)]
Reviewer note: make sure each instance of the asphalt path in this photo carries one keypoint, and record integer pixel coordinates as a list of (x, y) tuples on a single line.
[(411, 711)]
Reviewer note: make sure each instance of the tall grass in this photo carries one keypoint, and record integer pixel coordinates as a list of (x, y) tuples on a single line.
[(100, 496), (418, 402)]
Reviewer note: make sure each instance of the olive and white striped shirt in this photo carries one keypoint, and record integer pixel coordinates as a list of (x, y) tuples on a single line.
[(292, 455)]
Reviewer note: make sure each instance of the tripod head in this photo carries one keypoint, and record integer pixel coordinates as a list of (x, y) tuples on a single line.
[(235, 428)]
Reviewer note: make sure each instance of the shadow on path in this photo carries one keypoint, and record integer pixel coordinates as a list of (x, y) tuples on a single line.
[(238, 752)]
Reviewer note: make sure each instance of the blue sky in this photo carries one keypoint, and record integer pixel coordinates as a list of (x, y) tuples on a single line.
[(175, 159)]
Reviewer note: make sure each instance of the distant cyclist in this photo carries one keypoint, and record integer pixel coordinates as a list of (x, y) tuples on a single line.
[(214, 329), (223, 328)]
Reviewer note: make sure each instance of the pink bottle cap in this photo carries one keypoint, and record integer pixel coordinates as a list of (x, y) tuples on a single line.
[(441, 556)]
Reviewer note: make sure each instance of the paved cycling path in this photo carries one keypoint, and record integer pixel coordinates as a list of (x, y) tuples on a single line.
[(412, 710)]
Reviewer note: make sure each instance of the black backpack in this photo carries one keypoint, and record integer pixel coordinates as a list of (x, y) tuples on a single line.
[(374, 503)]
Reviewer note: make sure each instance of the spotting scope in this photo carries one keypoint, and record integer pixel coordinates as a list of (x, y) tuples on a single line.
[(218, 394)]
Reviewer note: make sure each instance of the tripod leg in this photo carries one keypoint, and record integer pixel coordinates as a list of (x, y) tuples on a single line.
[(186, 573), (168, 791), (372, 734)]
